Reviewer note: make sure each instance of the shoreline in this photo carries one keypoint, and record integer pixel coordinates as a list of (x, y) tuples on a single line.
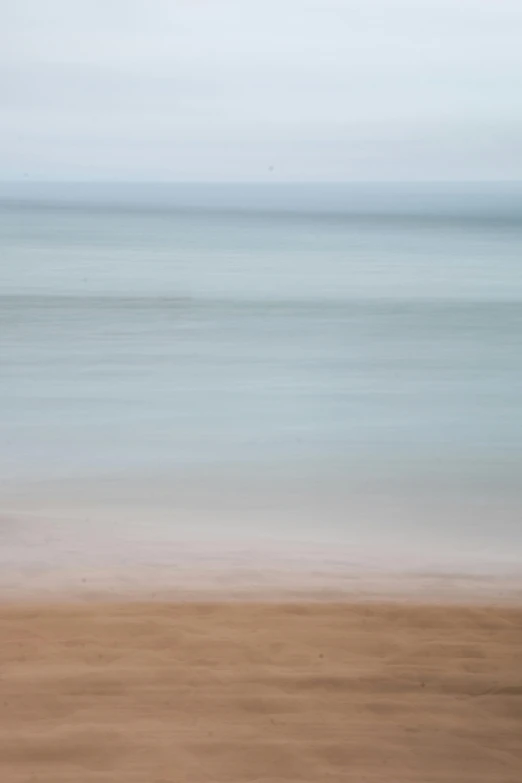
[(69, 559), (225, 584)]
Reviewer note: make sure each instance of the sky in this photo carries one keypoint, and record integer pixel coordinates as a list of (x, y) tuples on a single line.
[(260, 90)]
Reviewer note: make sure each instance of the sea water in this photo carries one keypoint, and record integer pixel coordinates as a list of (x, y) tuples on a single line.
[(337, 362)]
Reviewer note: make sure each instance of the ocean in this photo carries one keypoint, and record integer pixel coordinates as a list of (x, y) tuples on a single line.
[(336, 364)]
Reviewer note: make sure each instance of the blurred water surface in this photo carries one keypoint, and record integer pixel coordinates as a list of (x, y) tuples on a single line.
[(323, 343)]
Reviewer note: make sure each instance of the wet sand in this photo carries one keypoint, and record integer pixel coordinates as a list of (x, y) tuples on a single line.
[(272, 692)]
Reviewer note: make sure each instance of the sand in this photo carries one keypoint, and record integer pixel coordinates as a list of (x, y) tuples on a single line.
[(267, 692)]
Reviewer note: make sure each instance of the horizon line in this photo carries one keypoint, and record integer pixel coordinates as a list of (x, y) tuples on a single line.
[(470, 181)]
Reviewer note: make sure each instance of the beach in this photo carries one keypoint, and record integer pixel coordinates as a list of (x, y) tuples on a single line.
[(243, 691), (260, 483), (260, 392)]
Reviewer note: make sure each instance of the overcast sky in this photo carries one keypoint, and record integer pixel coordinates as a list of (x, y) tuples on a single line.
[(260, 89)]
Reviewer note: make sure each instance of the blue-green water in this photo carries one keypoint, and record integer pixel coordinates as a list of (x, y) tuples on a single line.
[(346, 343)]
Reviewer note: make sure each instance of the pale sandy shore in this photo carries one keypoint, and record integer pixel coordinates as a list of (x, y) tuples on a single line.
[(161, 692), (53, 559)]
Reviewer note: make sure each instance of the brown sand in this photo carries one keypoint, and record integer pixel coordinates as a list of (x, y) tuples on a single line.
[(260, 692)]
